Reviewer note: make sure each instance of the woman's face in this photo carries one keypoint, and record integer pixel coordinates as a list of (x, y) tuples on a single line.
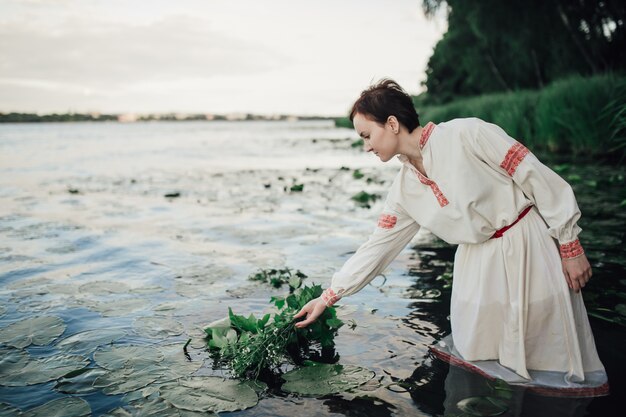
[(377, 138)]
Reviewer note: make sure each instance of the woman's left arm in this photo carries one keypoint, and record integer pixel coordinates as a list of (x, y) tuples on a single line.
[(551, 194)]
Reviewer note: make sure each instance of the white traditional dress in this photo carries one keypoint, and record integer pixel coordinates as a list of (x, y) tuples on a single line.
[(510, 300)]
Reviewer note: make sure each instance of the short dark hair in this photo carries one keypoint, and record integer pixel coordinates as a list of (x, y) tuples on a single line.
[(383, 99)]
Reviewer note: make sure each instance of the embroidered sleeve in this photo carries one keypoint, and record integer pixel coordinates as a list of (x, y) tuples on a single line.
[(329, 297), (571, 249), (513, 157), (553, 197), (394, 229)]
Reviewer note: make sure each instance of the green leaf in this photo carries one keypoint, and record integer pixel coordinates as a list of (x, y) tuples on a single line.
[(324, 379), (334, 323), (292, 302), (207, 393), (279, 302), (295, 282), (262, 322), (241, 323)]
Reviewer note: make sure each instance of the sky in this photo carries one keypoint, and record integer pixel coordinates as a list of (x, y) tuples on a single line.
[(208, 56)]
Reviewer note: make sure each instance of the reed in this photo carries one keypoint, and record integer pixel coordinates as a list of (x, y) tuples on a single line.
[(576, 115)]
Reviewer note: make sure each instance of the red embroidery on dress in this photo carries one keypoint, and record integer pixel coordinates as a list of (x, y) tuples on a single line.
[(330, 297), (513, 157), (443, 201), (387, 221), (428, 129), (571, 250)]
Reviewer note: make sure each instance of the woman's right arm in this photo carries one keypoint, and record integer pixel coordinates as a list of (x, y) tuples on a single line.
[(394, 231)]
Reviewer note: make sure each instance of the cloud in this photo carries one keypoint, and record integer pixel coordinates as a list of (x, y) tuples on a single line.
[(110, 55)]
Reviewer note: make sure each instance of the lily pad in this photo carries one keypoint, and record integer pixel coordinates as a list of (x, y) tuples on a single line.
[(104, 288), (12, 360), (118, 308), (177, 363), (62, 407), (19, 369), (29, 283), (7, 410), (35, 330), (129, 356), (155, 408), (482, 406), (79, 382), (325, 379), (158, 327), (127, 379), (146, 290), (209, 394), (134, 367), (88, 341)]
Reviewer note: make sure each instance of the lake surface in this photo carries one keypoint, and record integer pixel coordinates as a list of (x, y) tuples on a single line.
[(147, 232)]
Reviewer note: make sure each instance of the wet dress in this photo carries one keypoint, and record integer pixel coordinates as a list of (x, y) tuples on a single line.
[(513, 315)]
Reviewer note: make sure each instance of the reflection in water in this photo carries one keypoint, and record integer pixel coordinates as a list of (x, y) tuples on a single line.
[(514, 401), (360, 406)]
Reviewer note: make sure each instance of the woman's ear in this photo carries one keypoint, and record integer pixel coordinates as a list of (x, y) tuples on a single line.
[(392, 121)]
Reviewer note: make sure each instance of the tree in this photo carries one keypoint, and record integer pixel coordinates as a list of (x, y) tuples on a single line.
[(494, 45)]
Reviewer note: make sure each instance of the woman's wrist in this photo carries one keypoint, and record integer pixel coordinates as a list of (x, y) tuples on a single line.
[(329, 297)]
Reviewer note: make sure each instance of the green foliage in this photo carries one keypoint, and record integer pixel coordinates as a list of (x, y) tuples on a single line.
[(494, 45), (363, 198), (575, 115), (277, 277), (71, 117), (324, 379), (248, 345), (357, 143), (296, 188), (357, 174), (343, 122)]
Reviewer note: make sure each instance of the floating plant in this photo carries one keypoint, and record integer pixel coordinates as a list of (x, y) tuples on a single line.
[(134, 367), (247, 345), (88, 341), (104, 288), (62, 407), (209, 394), (20, 369), (363, 199), (325, 379), (119, 308), (278, 277), (158, 327), (35, 330), (79, 381)]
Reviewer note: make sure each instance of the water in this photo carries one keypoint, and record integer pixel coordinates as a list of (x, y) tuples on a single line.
[(84, 206)]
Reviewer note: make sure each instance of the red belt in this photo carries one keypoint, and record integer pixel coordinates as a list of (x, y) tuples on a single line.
[(500, 232)]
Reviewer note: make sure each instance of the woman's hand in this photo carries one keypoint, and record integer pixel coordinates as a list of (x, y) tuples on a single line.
[(577, 271), (313, 309)]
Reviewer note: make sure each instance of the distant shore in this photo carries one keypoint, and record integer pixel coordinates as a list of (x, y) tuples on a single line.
[(14, 117)]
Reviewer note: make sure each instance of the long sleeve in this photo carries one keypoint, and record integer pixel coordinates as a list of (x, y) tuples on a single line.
[(393, 232), (553, 196)]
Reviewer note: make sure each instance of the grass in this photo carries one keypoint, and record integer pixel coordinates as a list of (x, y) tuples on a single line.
[(573, 116)]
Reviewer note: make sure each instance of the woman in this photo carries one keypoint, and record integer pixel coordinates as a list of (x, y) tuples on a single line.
[(470, 184)]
